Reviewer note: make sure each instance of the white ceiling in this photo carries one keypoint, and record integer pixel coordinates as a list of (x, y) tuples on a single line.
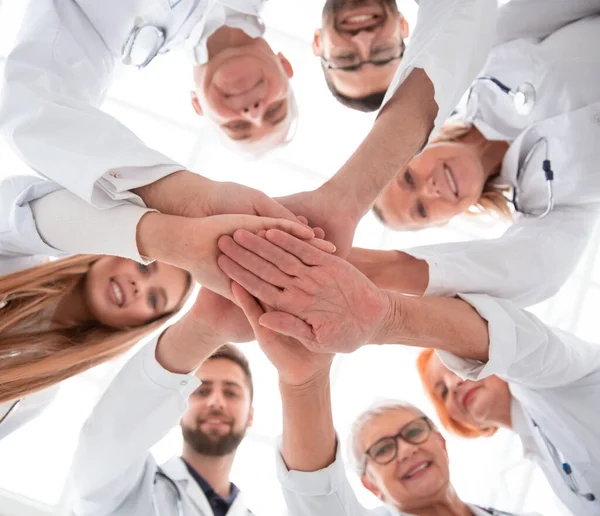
[(35, 461)]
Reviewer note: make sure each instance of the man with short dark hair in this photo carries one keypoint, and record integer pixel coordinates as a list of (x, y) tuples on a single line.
[(185, 375), (360, 44)]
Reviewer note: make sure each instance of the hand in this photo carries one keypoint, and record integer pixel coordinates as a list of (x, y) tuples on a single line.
[(221, 317), (324, 209), (295, 364), (319, 299), (191, 243), (187, 194)]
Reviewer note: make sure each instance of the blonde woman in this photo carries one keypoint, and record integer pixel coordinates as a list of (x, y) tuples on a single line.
[(60, 318), (491, 161)]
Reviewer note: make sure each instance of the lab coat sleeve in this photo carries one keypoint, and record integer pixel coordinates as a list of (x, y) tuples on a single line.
[(523, 350), (55, 79), (450, 43), (527, 264), (539, 18), (326, 491), (19, 236), (113, 464), (68, 223)]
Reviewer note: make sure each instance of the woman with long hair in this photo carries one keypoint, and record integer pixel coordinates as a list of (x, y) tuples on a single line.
[(528, 156), (62, 317), (59, 318)]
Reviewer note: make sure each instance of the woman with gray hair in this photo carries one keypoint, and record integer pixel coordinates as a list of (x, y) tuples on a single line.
[(399, 454)]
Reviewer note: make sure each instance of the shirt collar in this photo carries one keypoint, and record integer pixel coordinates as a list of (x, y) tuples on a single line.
[(209, 492)]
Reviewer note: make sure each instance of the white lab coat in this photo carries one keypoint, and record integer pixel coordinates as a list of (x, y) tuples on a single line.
[(554, 379), (534, 257), (450, 42), (20, 248), (35, 220), (328, 492), (113, 470), (56, 79)]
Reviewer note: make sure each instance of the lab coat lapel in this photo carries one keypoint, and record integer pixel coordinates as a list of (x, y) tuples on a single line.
[(238, 508), (178, 472)]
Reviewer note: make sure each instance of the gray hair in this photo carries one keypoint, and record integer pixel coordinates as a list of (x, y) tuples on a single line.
[(378, 407)]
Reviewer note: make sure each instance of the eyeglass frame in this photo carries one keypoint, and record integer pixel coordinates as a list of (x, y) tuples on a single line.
[(353, 68), (395, 439)]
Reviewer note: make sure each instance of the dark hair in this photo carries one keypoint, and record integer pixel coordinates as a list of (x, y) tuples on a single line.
[(232, 353), (365, 104)]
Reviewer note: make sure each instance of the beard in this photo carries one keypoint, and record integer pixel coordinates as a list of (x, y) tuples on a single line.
[(333, 7), (212, 444)]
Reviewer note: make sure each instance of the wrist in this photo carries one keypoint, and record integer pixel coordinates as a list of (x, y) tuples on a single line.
[(184, 346), (393, 320), (343, 194), (300, 387), (176, 194)]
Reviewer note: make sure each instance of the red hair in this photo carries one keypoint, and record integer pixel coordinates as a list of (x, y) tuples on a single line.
[(456, 427)]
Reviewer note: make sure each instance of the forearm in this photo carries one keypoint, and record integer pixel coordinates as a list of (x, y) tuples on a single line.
[(392, 270), (175, 194), (308, 440), (187, 344), (400, 131), (445, 324)]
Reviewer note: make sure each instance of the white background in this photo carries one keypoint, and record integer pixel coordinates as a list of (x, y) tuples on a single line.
[(34, 462)]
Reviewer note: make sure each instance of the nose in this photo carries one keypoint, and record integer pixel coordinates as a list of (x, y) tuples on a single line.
[(363, 41), (253, 111), (431, 189), (216, 400), (405, 450)]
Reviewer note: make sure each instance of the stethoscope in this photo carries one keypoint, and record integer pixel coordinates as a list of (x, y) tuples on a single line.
[(565, 469), (524, 98), (173, 487)]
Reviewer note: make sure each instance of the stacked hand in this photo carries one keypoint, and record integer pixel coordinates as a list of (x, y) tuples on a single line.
[(318, 299)]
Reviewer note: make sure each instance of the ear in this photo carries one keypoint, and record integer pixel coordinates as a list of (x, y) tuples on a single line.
[(250, 418), (404, 29), (316, 43), (371, 487), (195, 103), (287, 66)]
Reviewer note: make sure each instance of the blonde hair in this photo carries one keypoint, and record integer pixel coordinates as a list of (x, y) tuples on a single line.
[(456, 427), (493, 200), (33, 360)]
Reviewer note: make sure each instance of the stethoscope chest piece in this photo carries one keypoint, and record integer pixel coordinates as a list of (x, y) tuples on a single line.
[(142, 45), (524, 98)]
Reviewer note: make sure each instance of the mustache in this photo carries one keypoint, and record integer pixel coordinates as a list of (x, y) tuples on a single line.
[(215, 414)]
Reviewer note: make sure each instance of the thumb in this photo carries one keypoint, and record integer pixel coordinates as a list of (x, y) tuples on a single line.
[(252, 310), (288, 324)]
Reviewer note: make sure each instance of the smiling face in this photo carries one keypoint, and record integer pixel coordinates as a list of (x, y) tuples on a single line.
[(220, 411), (123, 293), (354, 31), (245, 91), (474, 404), (418, 475), (446, 179)]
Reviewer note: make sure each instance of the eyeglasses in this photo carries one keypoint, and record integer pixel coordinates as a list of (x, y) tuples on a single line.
[(354, 63), (385, 450)]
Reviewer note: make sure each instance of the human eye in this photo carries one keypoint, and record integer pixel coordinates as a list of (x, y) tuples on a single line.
[(153, 300), (408, 178), (143, 268), (231, 394), (421, 210)]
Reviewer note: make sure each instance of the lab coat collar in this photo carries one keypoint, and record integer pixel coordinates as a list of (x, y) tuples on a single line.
[(177, 471)]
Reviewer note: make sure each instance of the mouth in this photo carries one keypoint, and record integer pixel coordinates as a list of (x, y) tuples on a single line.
[(452, 184), (116, 293), (233, 92), (417, 470), (361, 19), (469, 396)]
